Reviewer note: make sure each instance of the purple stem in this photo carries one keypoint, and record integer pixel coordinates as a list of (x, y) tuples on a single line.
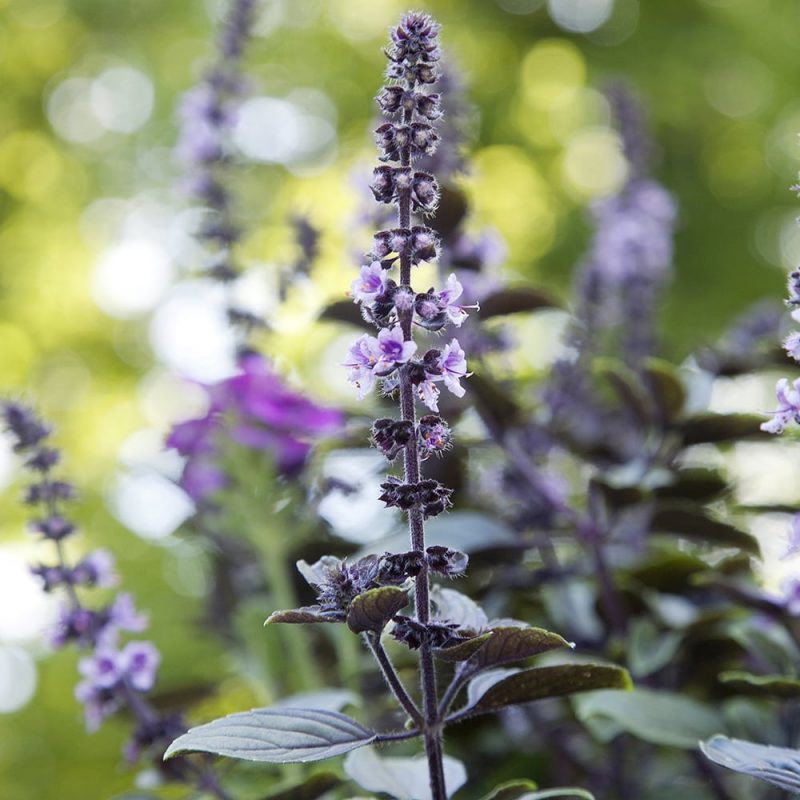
[(432, 729)]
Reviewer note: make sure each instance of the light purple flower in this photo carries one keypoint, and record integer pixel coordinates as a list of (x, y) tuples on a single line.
[(370, 284), (428, 392), (98, 703), (788, 406), (361, 361), (393, 350), (139, 662), (791, 596), (103, 668), (792, 345), (122, 616), (448, 296), (453, 365)]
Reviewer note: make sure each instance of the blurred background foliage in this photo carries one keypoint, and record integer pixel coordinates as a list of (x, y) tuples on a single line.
[(101, 319)]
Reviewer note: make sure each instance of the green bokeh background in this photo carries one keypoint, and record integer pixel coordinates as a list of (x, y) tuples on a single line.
[(719, 77)]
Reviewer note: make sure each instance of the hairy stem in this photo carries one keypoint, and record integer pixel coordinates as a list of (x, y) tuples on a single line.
[(432, 729), (392, 678)]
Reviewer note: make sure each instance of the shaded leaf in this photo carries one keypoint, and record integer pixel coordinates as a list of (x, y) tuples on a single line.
[(276, 736), (402, 778), (481, 684), (625, 384), (517, 299), (555, 681), (666, 387), (762, 685), (348, 312), (371, 610), (649, 649), (324, 699), (715, 428), (656, 717), (513, 790), (468, 531), (495, 406), (779, 766), (509, 644), (455, 607), (463, 650), (299, 616), (564, 791), (310, 789), (695, 483), (690, 521)]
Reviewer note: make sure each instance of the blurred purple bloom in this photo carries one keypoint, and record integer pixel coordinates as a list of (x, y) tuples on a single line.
[(139, 662), (96, 569), (267, 416)]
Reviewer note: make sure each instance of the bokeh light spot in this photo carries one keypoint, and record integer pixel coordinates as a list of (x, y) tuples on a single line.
[(593, 163), (122, 99), (580, 16), (552, 73), (17, 679)]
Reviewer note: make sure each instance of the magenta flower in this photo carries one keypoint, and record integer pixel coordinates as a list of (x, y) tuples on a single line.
[(788, 406), (370, 284), (267, 416)]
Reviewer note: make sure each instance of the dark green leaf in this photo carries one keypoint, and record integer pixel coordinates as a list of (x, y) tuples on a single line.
[(509, 644), (556, 681), (715, 428), (348, 312), (513, 790), (299, 616), (625, 385), (311, 789), (463, 650), (690, 521), (762, 685), (277, 736), (779, 766), (371, 610), (695, 483), (649, 649), (516, 299), (656, 717), (666, 387)]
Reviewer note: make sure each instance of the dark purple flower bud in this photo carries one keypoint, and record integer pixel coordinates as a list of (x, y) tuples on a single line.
[(396, 567), (433, 435), (412, 633), (408, 631), (77, 625), (49, 491), (433, 498), (341, 582), (444, 561), (54, 527), (391, 98), (397, 494), (223, 272), (425, 191), (424, 244), (416, 372), (52, 577), (431, 362), (383, 184), (23, 425), (431, 312), (423, 139), (391, 436), (43, 459), (428, 106), (386, 242), (381, 311)]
